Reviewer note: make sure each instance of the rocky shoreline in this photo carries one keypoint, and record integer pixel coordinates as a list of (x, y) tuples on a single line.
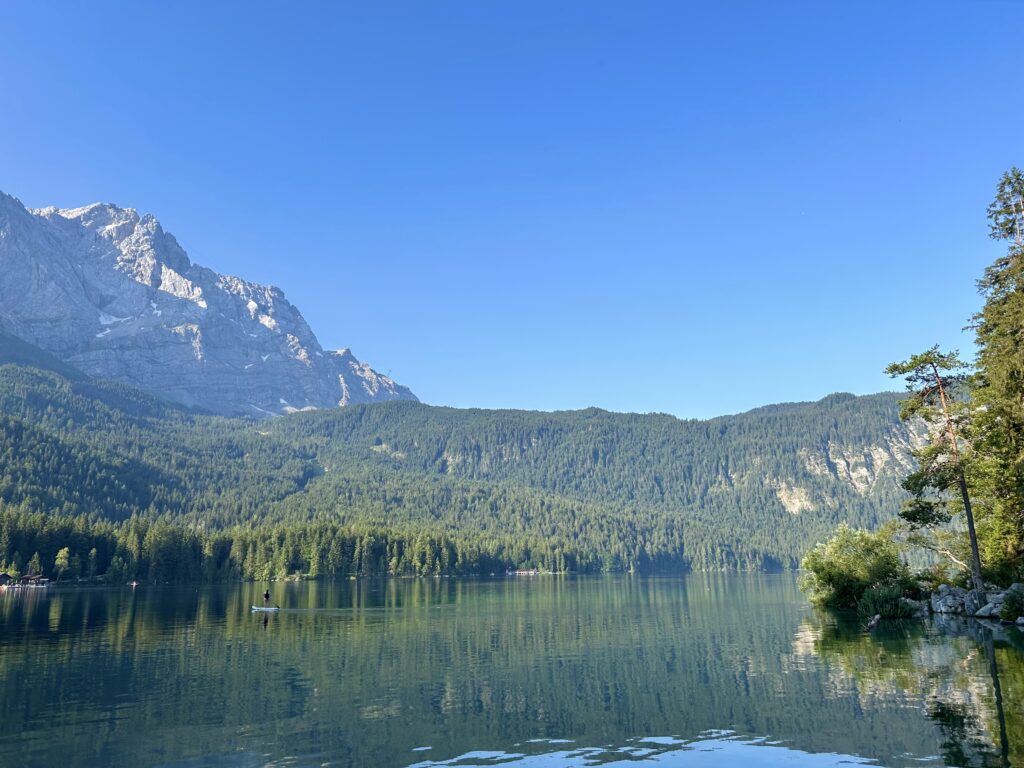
[(970, 602)]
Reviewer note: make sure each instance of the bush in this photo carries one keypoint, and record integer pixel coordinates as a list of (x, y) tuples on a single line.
[(885, 600), (934, 576), (839, 572), (1013, 605)]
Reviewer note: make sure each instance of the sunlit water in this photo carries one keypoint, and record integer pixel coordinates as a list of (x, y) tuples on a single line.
[(525, 671)]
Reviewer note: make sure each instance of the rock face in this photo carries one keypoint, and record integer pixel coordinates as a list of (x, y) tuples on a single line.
[(867, 469), (953, 600), (111, 293), (989, 610), (974, 600), (948, 599)]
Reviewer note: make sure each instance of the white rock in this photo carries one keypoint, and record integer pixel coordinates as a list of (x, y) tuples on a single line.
[(71, 276), (988, 610)]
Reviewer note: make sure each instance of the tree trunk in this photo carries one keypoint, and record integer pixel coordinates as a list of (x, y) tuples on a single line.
[(979, 583)]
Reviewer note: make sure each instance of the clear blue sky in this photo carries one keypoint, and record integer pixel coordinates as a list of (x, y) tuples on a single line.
[(694, 208)]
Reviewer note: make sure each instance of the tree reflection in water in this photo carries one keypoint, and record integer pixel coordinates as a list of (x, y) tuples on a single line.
[(367, 672), (961, 671)]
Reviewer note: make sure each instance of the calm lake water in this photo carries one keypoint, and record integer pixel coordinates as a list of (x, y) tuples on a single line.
[(527, 671)]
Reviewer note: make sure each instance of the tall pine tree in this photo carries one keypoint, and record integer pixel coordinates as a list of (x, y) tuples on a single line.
[(998, 395)]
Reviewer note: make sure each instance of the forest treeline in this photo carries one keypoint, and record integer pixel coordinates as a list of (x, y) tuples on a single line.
[(134, 487)]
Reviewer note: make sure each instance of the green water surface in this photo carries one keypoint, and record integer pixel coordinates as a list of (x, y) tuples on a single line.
[(528, 671)]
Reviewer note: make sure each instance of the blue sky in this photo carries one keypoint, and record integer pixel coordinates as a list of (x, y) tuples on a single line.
[(694, 208)]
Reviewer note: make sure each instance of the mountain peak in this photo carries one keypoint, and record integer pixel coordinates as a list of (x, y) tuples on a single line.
[(106, 210), (108, 291)]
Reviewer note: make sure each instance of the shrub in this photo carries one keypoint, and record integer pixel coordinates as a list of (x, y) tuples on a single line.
[(840, 571), (935, 575), (1013, 605), (885, 600)]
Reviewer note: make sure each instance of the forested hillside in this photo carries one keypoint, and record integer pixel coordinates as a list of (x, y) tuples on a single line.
[(138, 487)]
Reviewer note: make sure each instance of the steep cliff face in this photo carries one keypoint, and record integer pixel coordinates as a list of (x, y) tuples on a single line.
[(111, 293), (860, 467)]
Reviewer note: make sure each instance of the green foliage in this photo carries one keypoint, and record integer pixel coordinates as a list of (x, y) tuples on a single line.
[(840, 571), (938, 573), (1013, 605), (885, 600), (932, 378), (167, 494), (973, 462), (1006, 212), (926, 374), (998, 393), (62, 562)]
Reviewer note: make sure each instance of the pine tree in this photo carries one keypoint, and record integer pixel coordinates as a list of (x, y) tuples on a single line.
[(933, 379), (998, 396)]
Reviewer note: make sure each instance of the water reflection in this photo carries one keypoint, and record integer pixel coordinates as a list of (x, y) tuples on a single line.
[(957, 668), (366, 672), (713, 749)]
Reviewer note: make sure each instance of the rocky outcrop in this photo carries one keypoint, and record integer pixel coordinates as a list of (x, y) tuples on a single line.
[(957, 600), (948, 599), (862, 467), (111, 293), (866, 469), (973, 602)]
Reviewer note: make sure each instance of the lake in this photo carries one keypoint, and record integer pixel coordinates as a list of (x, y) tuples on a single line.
[(525, 671)]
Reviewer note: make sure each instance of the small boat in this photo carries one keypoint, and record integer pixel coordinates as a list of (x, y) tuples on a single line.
[(262, 608)]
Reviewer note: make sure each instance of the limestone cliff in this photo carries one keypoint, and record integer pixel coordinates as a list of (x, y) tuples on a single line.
[(111, 293)]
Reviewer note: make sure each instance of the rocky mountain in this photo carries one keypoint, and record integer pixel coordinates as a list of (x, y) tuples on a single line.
[(111, 293)]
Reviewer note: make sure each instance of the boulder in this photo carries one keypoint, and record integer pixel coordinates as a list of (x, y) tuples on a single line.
[(947, 604), (989, 610), (948, 599), (974, 601)]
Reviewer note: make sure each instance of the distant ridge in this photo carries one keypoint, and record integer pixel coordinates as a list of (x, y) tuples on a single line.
[(428, 490)]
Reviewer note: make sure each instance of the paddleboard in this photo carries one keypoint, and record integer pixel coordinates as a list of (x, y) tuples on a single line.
[(263, 608)]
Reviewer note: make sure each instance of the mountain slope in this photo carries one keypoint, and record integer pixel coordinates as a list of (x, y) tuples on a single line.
[(802, 458), (111, 293), (586, 490)]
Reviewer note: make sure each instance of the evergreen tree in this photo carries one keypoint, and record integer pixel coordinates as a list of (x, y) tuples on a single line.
[(998, 396), (932, 379)]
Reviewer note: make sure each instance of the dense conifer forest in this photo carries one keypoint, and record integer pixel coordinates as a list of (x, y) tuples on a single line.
[(132, 487)]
